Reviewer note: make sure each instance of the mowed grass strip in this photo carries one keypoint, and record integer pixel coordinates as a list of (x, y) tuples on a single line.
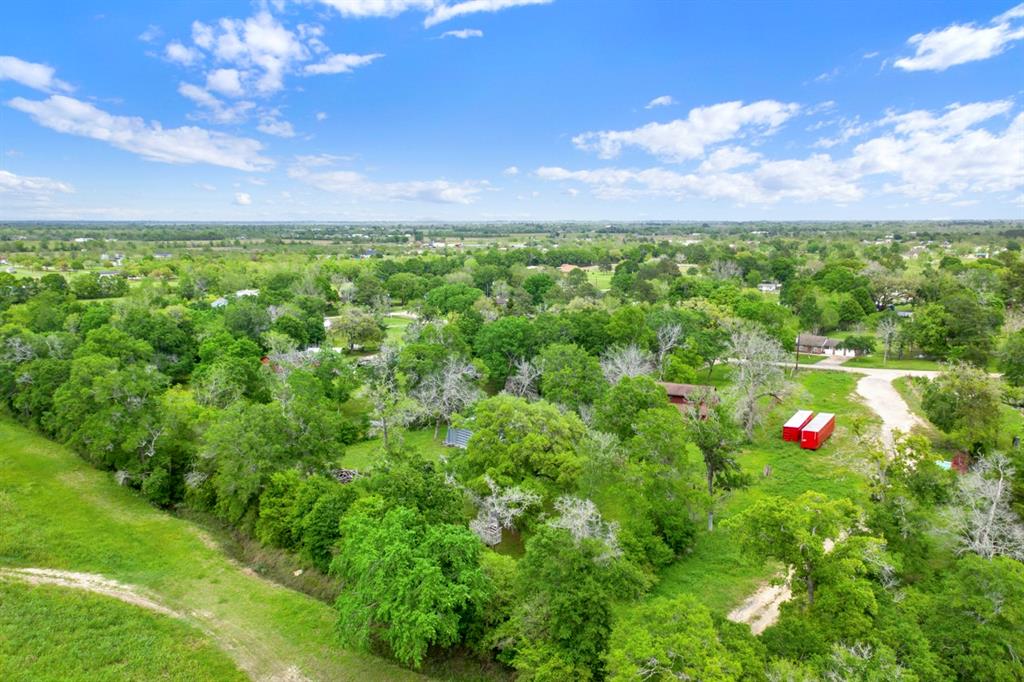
[(57, 633), (58, 512)]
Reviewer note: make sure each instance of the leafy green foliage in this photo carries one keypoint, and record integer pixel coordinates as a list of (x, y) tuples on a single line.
[(412, 584)]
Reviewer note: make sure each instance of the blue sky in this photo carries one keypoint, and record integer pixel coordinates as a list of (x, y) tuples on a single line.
[(511, 110)]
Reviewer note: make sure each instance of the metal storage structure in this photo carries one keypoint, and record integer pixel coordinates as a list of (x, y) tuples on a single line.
[(814, 435), (791, 429)]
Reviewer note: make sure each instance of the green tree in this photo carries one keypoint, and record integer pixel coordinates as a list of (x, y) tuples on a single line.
[(964, 402), (794, 532), (516, 442), (1011, 359), (570, 376), (616, 412), (561, 623), (715, 434), (669, 639), (503, 341), (411, 584)]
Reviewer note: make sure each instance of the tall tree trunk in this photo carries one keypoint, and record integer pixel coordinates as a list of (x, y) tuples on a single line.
[(437, 427), (810, 591), (711, 500)]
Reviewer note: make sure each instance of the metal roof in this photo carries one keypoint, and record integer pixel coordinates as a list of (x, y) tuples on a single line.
[(457, 438), (799, 419), (818, 422)]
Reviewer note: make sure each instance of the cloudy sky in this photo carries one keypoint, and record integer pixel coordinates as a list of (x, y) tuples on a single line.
[(511, 109)]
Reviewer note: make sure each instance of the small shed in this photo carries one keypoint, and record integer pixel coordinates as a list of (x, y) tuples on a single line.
[(817, 431), (457, 438), (791, 429), (685, 396), (816, 345)]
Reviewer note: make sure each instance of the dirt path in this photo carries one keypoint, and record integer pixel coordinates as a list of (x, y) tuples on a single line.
[(89, 582), (234, 643), (761, 609)]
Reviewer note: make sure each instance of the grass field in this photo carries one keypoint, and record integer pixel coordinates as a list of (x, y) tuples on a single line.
[(716, 572), (362, 455), (56, 633), (601, 279), (60, 513), (875, 362)]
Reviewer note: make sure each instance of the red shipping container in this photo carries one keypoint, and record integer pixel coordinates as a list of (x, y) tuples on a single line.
[(791, 429), (814, 435)]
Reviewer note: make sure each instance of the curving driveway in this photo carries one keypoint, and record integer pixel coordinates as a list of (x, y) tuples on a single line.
[(876, 388)]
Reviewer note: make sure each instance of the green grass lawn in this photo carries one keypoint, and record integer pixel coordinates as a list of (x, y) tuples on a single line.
[(875, 362), (715, 571), (601, 279), (806, 359), (58, 512), (363, 455), (396, 327), (57, 633)]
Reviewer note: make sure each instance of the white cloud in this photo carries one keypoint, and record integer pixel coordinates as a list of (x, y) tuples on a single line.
[(255, 54), (24, 184), (321, 115), (216, 109), (962, 43), (378, 8), (182, 54), (226, 82), (511, 171), (663, 101), (444, 12), (243, 199), (463, 33), (826, 76), (816, 178), (687, 138), (341, 63), (308, 170), (726, 158), (187, 144), (439, 10), (151, 34), (30, 74), (205, 186), (933, 157), (271, 123)]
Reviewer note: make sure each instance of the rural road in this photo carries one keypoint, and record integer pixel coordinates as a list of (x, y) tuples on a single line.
[(761, 609)]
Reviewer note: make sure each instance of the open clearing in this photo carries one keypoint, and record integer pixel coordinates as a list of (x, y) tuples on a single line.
[(50, 633), (60, 514)]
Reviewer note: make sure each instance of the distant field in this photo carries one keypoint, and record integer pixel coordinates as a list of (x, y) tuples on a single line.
[(58, 512), (57, 633)]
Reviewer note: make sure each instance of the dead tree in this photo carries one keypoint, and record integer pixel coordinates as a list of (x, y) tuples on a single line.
[(982, 519), (523, 381), (888, 330), (498, 511), (626, 361), (450, 389), (758, 373), (668, 340)]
